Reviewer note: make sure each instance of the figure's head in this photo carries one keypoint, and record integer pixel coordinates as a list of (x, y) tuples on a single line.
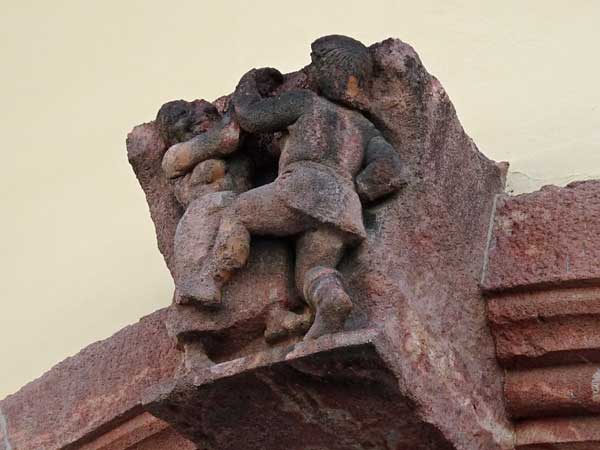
[(179, 121), (342, 67)]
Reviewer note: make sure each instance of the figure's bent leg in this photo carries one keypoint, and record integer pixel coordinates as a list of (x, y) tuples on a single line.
[(258, 212), (317, 254), (202, 253), (264, 213)]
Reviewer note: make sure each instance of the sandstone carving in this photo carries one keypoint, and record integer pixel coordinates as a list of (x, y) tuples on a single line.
[(343, 258), (327, 150), (330, 158), (325, 230)]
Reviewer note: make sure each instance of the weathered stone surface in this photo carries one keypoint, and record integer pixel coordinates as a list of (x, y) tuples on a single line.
[(335, 393), (571, 433), (553, 391), (139, 433), (168, 439), (546, 327), (145, 150), (541, 277), (550, 237), (421, 261), (260, 289), (87, 393), (415, 276)]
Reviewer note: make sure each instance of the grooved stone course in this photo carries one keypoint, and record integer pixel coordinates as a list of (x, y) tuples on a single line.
[(543, 282)]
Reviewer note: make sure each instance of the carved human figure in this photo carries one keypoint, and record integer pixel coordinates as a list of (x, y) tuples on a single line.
[(331, 158), (199, 139), (207, 173)]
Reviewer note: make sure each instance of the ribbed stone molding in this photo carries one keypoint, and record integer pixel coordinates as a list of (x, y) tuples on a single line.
[(542, 280)]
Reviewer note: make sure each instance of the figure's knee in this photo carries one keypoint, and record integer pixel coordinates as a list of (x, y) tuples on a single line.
[(262, 212)]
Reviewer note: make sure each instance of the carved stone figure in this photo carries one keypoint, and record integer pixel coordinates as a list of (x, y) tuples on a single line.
[(331, 158), (414, 364), (206, 184)]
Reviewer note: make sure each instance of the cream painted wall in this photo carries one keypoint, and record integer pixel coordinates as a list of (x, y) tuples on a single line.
[(79, 259)]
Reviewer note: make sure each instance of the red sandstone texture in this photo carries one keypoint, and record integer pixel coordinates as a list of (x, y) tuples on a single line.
[(578, 433), (543, 281), (414, 282), (142, 432), (328, 393), (414, 368), (546, 238), (543, 277), (85, 394), (422, 259), (145, 150), (554, 391), (546, 327)]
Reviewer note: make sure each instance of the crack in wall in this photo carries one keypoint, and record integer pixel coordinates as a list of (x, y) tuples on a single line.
[(490, 232), (4, 431)]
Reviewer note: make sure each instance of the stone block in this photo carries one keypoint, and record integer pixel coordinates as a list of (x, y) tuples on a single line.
[(546, 238), (89, 393)]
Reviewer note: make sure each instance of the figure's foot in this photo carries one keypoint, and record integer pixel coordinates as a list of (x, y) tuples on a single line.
[(203, 293), (325, 290), (283, 323), (195, 356)]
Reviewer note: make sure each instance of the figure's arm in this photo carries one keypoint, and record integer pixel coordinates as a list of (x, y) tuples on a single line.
[(217, 142), (258, 114), (382, 173)]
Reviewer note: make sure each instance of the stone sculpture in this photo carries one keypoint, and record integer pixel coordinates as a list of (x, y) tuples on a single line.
[(328, 148), (413, 358), (206, 185), (318, 206), (327, 156)]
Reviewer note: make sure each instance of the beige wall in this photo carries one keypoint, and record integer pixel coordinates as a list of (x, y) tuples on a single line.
[(79, 258)]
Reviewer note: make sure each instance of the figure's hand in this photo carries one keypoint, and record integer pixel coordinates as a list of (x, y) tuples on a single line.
[(208, 172), (177, 160), (207, 177), (220, 140), (377, 180)]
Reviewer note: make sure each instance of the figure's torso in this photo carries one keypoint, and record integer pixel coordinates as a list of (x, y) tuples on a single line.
[(328, 134)]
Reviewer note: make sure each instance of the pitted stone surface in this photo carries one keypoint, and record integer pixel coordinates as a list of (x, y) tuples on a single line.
[(145, 150), (554, 391), (549, 237), (100, 385), (546, 327), (416, 275), (542, 278), (570, 433), (142, 432), (334, 393)]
